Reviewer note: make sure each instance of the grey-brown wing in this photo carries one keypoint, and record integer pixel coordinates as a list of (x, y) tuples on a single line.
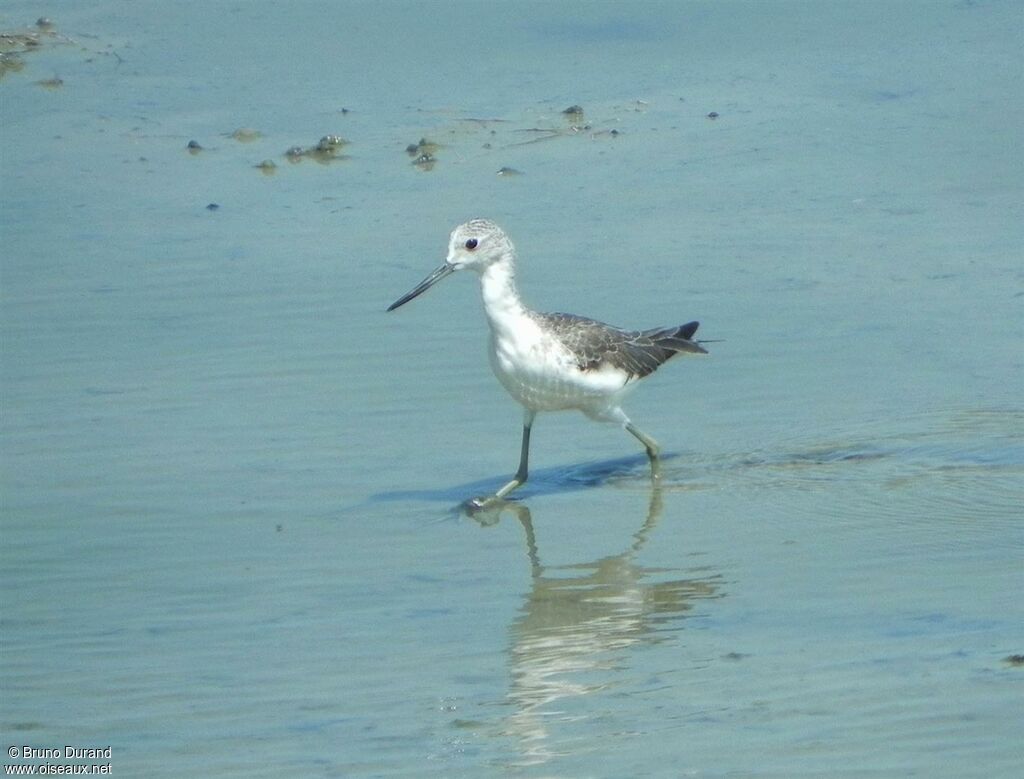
[(638, 353)]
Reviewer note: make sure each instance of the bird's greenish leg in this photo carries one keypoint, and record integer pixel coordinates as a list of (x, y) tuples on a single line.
[(522, 472), (650, 445)]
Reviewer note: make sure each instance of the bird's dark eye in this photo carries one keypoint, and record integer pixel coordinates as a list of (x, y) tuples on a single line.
[(471, 244)]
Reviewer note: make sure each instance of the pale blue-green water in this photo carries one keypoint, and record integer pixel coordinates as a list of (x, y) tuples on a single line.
[(231, 543)]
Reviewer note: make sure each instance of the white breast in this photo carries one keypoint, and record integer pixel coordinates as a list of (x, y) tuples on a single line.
[(535, 367), (542, 374)]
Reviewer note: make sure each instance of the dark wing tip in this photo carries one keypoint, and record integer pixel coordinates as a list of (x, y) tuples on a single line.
[(680, 339), (686, 331)]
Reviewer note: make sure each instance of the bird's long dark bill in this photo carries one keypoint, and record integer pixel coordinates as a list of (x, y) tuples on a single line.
[(423, 286)]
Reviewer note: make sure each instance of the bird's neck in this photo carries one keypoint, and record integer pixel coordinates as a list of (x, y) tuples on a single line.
[(500, 296)]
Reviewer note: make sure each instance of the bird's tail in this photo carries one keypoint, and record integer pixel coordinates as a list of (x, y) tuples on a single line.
[(677, 339)]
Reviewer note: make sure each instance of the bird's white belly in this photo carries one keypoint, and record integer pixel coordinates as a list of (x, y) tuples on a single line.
[(542, 375)]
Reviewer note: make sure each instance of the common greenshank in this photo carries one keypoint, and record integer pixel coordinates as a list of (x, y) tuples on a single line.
[(554, 362)]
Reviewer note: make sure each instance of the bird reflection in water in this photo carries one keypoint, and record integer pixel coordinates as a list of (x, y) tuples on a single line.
[(578, 624)]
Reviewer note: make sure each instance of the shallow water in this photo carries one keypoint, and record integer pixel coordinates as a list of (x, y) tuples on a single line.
[(232, 543)]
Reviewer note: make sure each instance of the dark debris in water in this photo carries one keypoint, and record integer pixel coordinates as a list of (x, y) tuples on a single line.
[(23, 726), (423, 146), (21, 41), (425, 162), (245, 135), (15, 43), (327, 150), (485, 135), (423, 153)]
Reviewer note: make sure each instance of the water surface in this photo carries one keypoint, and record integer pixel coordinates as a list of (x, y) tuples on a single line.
[(231, 536)]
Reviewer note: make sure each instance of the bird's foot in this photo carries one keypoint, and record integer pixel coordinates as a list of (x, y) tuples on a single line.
[(484, 502), (486, 509)]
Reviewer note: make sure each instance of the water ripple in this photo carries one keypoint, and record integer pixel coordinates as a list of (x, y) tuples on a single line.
[(967, 464)]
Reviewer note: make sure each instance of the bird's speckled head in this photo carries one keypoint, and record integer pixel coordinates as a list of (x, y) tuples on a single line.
[(478, 244)]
